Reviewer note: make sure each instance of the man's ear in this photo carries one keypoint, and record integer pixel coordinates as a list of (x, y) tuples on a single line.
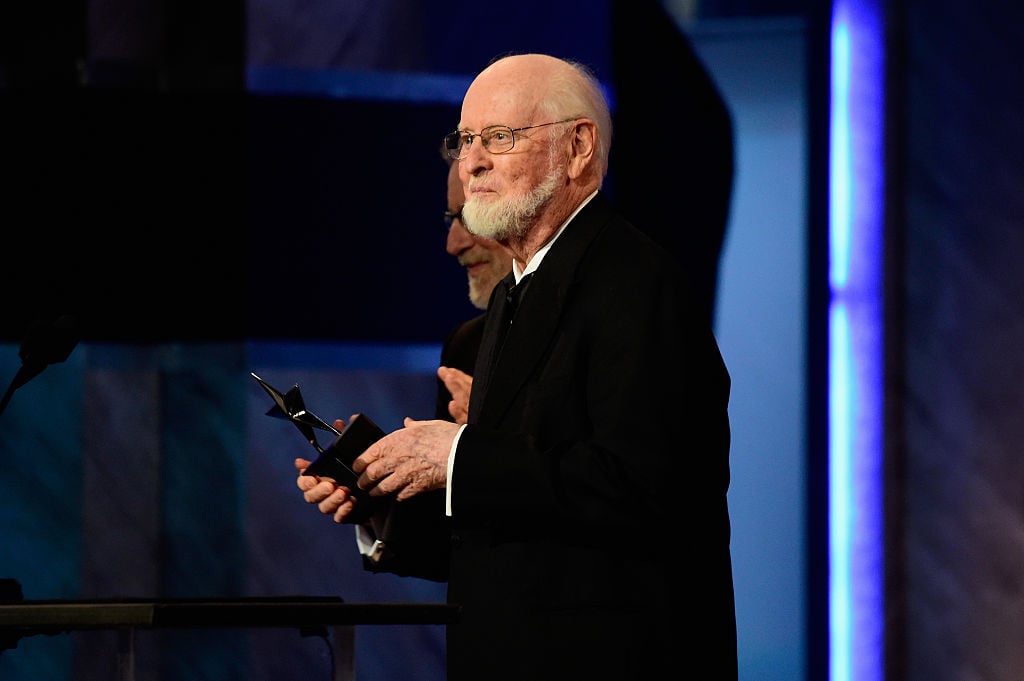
[(582, 148)]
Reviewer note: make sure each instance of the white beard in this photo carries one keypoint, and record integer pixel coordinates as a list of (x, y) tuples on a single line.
[(509, 219)]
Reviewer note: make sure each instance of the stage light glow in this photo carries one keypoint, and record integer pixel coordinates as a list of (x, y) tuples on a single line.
[(856, 200)]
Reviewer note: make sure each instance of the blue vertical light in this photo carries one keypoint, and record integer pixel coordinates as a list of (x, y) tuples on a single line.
[(856, 202)]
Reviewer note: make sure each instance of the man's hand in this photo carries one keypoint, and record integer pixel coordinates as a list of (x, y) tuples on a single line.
[(409, 461), (459, 384), (330, 497)]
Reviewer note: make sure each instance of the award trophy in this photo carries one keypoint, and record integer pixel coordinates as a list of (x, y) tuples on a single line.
[(335, 462)]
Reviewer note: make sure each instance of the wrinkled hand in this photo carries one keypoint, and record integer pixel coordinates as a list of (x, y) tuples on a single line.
[(409, 461), (459, 384), (330, 497)]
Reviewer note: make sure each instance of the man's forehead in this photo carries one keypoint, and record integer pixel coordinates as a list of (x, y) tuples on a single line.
[(502, 111), (497, 100)]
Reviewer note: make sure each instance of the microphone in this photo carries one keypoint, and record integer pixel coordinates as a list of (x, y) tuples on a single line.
[(45, 343)]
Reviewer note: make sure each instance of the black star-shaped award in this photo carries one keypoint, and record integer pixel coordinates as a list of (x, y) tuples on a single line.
[(335, 462)]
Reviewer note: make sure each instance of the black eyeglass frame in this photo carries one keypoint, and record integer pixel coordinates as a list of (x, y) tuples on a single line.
[(459, 152)]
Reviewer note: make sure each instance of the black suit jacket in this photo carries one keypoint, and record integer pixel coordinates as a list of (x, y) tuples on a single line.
[(590, 536), (590, 529)]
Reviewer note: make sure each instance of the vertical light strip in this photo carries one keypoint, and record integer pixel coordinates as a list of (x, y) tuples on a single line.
[(856, 201)]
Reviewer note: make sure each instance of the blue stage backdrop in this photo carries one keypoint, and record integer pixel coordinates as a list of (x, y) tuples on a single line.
[(281, 213)]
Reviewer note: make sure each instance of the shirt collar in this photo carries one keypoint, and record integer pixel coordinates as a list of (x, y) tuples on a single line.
[(539, 255)]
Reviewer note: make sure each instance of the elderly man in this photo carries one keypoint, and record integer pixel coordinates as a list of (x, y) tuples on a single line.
[(586, 495)]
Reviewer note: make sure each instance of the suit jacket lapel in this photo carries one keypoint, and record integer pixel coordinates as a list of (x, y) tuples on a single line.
[(488, 345), (538, 315)]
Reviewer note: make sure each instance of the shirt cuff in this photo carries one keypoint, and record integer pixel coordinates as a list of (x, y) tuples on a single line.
[(451, 467)]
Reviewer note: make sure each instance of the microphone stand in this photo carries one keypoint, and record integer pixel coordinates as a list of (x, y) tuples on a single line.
[(43, 345)]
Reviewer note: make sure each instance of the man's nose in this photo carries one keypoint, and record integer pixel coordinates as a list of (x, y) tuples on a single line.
[(459, 239)]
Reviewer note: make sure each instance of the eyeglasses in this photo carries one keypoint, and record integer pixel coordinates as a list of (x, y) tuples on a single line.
[(496, 139), (450, 217)]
